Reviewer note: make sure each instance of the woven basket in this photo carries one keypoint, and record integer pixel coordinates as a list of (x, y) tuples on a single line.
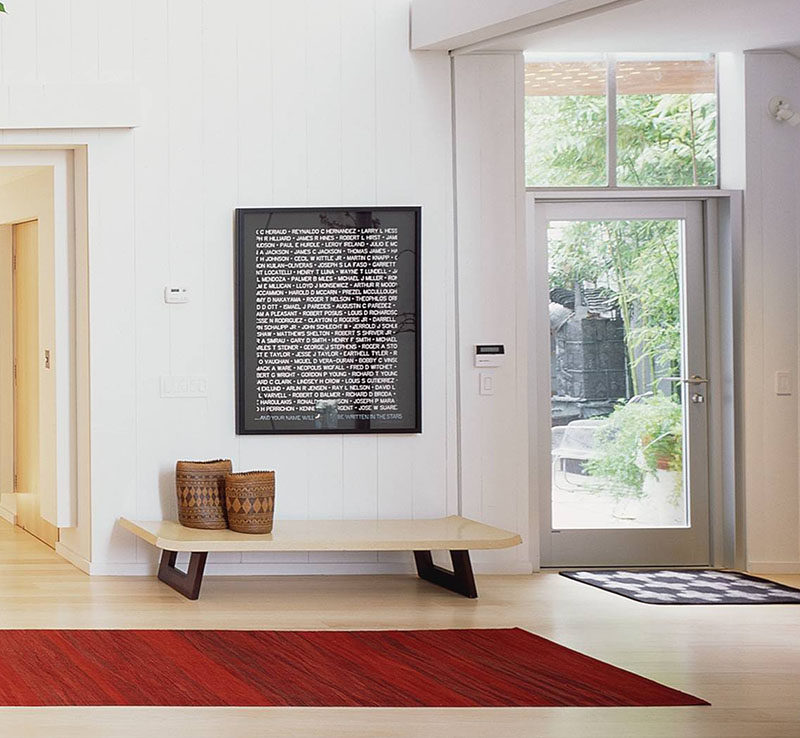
[(201, 493), (250, 501)]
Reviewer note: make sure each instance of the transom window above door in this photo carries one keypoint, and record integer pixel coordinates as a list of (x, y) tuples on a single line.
[(622, 120)]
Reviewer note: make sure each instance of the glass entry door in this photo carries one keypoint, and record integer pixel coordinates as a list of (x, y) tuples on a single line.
[(626, 418)]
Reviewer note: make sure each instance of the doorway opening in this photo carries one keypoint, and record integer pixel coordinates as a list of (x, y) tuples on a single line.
[(43, 377)]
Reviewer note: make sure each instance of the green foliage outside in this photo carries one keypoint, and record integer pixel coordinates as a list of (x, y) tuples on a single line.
[(565, 141), (662, 140), (666, 140), (639, 438), (639, 261)]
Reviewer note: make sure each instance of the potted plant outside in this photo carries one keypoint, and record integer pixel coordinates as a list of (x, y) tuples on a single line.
[(639, 456)]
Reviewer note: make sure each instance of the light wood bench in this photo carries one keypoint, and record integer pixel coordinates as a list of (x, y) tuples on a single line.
[(454, 534)]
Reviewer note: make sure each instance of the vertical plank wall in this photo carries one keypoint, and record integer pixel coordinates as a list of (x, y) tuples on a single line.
[(492, 293), (769, 422), (247, 103)]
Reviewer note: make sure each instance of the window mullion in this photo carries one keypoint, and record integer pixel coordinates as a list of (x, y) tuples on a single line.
[(611, 120)]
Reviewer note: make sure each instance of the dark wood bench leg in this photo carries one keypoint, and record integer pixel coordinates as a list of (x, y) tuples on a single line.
[(460, 580), (187, 584)]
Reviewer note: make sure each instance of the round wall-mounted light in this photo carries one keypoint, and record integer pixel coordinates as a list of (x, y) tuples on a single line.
[(780, 109)]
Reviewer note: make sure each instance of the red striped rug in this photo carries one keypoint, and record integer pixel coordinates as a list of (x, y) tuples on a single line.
[(423, 668)]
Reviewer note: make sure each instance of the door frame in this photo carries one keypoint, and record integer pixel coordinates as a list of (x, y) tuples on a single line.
[(722, 211), (648, 545)]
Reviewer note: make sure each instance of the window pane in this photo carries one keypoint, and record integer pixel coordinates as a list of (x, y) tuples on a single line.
[(565, 124), (616, 346), (666, 123)]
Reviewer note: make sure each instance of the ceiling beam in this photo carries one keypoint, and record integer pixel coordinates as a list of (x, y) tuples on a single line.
[(452, 24)]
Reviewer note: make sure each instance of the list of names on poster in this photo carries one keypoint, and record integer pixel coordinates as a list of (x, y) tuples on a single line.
[(326, 323)]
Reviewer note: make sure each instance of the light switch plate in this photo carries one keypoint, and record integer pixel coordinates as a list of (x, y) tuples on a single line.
[(783, 383), (485, 383), (173, 386)]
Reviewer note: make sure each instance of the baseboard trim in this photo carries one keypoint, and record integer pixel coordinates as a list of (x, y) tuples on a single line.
[(8, 515), (516, 568), (8, 507), (75, 559), (773, 567)]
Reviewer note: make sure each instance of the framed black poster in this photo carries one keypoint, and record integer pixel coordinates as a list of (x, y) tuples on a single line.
[(328, 320)]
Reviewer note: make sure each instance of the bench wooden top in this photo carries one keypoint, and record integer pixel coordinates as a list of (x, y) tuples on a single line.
[(453, 533)]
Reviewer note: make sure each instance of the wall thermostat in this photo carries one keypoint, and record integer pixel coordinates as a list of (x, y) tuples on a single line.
[(174, 295), (489, 354)]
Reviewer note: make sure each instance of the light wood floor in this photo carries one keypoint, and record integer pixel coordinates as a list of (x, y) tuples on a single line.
[(744, 659)]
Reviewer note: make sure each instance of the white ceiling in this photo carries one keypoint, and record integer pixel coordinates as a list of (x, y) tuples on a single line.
[(12, 174), (669, 25)]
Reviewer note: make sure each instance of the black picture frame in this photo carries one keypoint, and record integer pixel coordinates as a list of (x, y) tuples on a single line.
[(408, 220)]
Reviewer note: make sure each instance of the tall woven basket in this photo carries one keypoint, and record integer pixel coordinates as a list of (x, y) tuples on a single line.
[(201, 493), (250, 501)]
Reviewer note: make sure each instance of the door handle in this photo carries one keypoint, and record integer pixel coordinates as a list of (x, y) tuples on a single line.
[(694, 379)]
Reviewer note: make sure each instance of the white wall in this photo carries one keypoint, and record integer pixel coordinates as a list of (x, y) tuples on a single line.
[(771, 304), (250, 103), (492, 292)]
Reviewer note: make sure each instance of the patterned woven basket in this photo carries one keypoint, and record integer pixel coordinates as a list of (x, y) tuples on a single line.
[(201, 493), (250, 501)]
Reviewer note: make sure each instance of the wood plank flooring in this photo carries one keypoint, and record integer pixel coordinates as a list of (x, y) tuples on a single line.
[(744, 659)]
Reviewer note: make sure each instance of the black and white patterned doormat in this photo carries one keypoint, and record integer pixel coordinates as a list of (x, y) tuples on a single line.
[(689, 587)]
